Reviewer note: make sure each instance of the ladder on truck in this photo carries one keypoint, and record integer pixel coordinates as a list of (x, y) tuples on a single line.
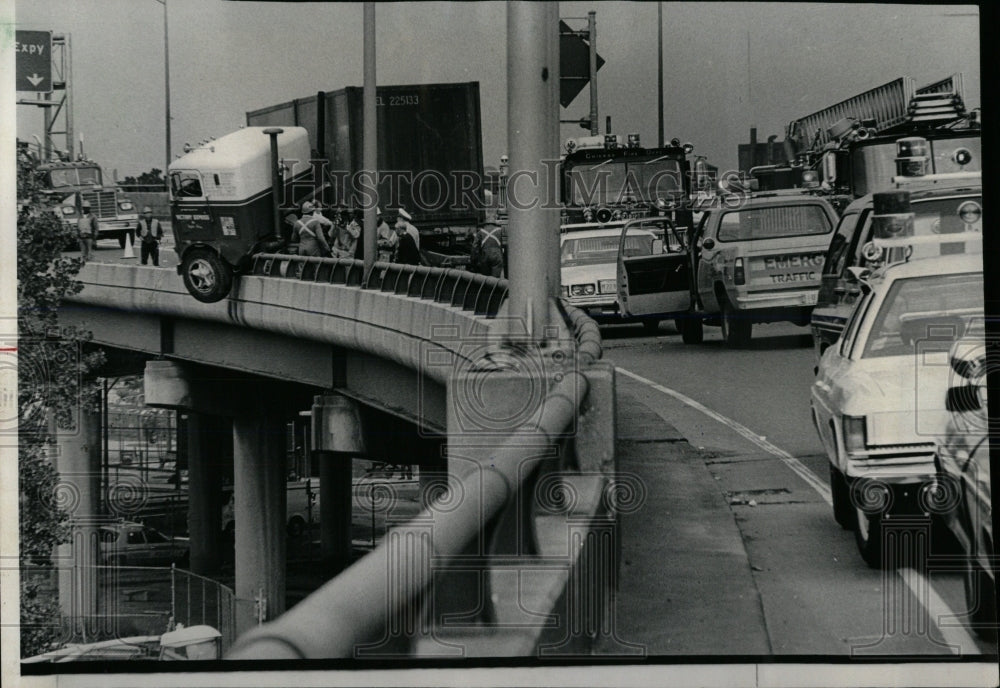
[(880, 109)]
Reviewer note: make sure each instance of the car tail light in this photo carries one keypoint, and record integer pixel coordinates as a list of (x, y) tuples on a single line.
[(855, 435), (739, 276)]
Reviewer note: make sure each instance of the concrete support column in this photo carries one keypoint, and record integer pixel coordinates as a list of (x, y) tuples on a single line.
[(78, 463), (338, 437), (259, 511), (201, 437)]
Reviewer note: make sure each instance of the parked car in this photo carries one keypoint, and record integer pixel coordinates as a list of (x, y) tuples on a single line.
[(135, 544), (588, 261), (963, 467), (878, 399), (940, 206), (302, 508)]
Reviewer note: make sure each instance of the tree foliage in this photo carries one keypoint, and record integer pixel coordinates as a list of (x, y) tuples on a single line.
[(145, 181), (53, 365)]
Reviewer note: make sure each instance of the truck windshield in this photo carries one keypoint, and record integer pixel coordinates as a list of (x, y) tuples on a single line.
[(617, 180), (920, 308), (773, 223), (75, 176)]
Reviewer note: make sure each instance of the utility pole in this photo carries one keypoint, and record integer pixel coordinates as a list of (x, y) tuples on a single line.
[(595, 128), (370, 136), (659, 69)]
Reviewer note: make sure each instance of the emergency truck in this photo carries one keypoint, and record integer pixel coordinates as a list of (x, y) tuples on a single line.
[(227, 202), (848, 150), (607, 178), (68, 184)]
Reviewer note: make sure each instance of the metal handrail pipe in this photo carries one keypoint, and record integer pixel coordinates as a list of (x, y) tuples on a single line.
[(353, 608)]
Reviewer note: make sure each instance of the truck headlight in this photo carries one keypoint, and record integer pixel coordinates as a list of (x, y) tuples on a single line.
[(125, 205), (68, 210)]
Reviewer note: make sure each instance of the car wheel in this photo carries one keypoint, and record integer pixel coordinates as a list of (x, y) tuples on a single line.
[(691, 329), (872, 500), (841, 495), (207, 277), (980, 597), (736, 330), (868, 536), (651, 326), (296, 527)]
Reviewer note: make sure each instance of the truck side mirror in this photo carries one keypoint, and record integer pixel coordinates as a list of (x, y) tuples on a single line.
[(963, 398)]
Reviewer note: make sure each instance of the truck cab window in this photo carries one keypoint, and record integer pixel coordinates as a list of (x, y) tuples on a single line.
[(186, 185)]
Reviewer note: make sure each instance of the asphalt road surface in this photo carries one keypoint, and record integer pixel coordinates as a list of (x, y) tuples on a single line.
[(794, 583)]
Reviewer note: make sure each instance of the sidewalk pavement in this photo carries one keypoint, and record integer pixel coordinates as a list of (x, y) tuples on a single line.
[(685, 584)]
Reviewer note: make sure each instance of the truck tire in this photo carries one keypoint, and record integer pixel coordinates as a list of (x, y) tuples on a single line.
[(651, 326), (691, 329), (207, 277), (736, 330)]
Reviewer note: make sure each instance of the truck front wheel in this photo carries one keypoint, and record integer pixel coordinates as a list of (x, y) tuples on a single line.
[(207, 277)]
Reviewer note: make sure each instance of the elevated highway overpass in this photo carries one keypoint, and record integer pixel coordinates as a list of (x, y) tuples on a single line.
[(501, 418)]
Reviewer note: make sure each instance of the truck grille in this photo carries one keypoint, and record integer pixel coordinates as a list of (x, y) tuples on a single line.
[(102, 203)]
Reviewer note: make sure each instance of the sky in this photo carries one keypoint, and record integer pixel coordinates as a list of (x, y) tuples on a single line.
[(727, 66)]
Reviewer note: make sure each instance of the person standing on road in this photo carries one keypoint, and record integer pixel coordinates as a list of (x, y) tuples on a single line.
[(347, 240), (320, 226), (407, 250), (86, 227), (385, 239), (486, 256), (150, 233)]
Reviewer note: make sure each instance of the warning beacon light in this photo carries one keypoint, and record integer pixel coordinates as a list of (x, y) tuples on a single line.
[(633, 140), (891, 218), (912, 156)]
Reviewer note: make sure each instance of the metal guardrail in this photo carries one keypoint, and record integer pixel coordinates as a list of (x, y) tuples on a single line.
[(469, 291), (480, 533)]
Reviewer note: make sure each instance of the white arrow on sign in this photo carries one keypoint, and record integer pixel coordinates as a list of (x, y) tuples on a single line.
[(35, 79)]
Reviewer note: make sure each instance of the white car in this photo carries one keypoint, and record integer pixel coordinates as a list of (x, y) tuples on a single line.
[(589, 262), (878, 399)]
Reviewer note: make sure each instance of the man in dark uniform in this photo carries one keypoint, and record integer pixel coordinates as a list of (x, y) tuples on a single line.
[(407, 250)]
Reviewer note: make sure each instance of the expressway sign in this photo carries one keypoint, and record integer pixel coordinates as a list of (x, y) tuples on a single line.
[(34, 61)]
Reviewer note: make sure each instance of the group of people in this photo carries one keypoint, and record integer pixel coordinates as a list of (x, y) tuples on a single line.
[(318, 235), (148, 229)]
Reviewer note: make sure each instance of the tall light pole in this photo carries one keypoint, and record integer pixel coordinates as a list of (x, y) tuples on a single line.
[(166, 84), (659, 65)]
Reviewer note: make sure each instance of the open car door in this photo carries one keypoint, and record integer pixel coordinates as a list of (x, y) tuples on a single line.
[(653, 269)]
